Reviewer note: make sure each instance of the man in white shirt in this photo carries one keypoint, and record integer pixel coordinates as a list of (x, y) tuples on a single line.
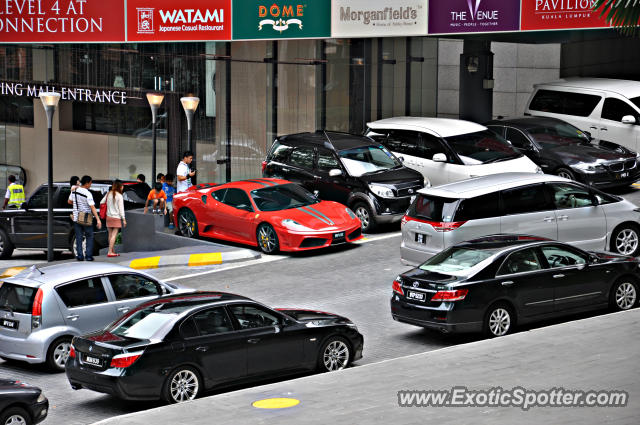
[(83, 202), (183, 173)]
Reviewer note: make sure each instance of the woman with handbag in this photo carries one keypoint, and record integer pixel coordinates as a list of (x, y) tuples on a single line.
[(84, 211), (116, 220)]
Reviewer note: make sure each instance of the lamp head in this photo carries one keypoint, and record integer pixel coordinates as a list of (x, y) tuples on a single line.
[(50, 99), (155, 99), (190, 104)]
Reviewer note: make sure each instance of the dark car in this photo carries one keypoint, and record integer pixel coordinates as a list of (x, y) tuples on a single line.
[(350, 169), (562, 149), (26, 228), (495, 282), (21, 404), (175, 347)]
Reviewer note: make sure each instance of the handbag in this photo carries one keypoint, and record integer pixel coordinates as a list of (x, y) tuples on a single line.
[(84, 218), (103, 209)]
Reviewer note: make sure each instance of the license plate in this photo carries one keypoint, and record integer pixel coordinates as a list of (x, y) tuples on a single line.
[(94, 361), (418, 296), (421, 238), (11, 324), (339, 235), (623, 175)]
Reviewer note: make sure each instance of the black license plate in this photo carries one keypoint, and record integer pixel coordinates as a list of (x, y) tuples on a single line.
[(421, 238), (623, 175), (418, 296), (92, 361), (339, 235), (11, 324)]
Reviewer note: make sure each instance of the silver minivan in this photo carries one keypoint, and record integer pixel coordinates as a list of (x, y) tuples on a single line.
[(43, 308), (520, 203)]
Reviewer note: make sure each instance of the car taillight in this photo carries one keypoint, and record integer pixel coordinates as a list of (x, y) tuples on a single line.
[(438, 226), (72, 352), (125, 360), (264, 165), (455, 295), (36, 310), (397, 287)]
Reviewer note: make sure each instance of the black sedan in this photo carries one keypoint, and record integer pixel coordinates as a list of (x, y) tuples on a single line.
[(562, 149), (21, 404), (175, 347), (493, 283)]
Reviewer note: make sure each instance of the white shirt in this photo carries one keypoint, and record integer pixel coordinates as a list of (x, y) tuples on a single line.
[(115, 208), (81, 203), (183, 170)]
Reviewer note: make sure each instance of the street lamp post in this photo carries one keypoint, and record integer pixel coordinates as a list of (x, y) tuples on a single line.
[(155, 100), (50, 101), (190, 104)]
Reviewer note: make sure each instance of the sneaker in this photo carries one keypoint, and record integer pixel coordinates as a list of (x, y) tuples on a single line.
[(79, 258), (89, 259)]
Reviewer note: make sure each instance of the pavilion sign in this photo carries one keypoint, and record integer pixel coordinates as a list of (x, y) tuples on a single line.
[(116, 97)]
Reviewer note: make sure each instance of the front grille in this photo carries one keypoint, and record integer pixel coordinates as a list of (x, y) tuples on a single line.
[(616, 166), (355, 234), (312, 242), (630, 164)]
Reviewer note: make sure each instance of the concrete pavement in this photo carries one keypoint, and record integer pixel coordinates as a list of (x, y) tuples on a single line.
[(598, 353)]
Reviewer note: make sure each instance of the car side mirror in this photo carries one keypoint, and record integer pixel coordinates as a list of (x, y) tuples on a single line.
[(581, 266), (588, 134), (401, 158), (439, 157), (335, 172), (628, 119)]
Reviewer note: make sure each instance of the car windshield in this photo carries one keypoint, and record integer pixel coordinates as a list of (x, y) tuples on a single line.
[(456, 261), (368, 160), (482, 147), (550, 136), (282, 197), (636, 101), (16, 298), (148, 323)]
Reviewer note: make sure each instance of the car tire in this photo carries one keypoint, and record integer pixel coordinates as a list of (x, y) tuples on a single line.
[(335, 354), (6, 246), (15, 415), (624, 294), (58, 354), (182, 384), (625, 240), (499, 320), (566, 173), (267, 239), (364, 213), (187, 223)]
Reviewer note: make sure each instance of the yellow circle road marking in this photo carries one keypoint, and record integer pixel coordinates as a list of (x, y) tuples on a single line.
[(276, 403)]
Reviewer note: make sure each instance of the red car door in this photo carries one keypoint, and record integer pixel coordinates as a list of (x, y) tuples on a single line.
[(234, 215)]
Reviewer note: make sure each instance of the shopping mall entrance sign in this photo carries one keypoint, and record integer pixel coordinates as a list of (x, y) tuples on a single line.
[(465, 16), (269, 19), (560, 14), (378, 18)]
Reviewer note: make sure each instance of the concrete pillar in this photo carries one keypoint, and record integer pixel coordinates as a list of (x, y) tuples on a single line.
[(476, 81)]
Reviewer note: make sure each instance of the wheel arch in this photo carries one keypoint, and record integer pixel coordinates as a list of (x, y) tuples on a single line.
[(629, 223), (506, 301), (204, 379), (625, 276), (21, 405)]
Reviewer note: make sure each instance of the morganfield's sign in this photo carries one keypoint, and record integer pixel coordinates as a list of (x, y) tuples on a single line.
[(116, 97), (460, 16), (560, 14), (269, 19), (170, 20), (27, 21), (378, 18)]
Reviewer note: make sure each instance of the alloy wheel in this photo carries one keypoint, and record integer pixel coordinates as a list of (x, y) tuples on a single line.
[(625, 296), (187, 223), (267, 239), (184, 386), (61, 353), (16, 420), (565, 175), (499, 321), (627, 241), (363, 214), (336, 355)]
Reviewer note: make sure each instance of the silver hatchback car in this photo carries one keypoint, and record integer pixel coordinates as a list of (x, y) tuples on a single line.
[(43, 308), (521, 203)]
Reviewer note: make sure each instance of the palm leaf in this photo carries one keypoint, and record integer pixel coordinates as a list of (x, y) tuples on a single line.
[(622, 14)]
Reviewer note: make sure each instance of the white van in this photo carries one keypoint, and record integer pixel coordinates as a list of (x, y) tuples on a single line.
[(609, 110), (446, 150)]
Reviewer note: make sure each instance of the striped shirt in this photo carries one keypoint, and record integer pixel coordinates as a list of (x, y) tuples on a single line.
[(80, 202)]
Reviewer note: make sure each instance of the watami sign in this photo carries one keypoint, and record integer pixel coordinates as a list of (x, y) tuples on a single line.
[(560, 14), (169, 20)]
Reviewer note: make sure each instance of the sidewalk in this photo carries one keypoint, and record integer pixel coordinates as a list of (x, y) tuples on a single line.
[(592, 354)]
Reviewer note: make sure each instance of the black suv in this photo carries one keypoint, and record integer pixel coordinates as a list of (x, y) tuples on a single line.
[(350, 169), (26, 228)]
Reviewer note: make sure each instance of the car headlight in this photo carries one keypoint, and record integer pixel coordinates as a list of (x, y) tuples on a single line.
[(350, 213), (294, 225), (539, 170), (589, 168), (382, 191), (41, 398)]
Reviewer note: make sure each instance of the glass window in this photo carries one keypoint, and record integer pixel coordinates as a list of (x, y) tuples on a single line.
[(484, 206), (525, 260), (127, 286), (570, 196), (557, 134), (280, 152), (525, 200), (635, 101), (560, 102), (562, 257), (403, 142), (144, 324), (302, 157), (433, 208), (188, 328), (63, 197), (327, 160), (40, 198), (614, 109), (218, 195), (250, 316), (282, 197), (368, 159), (16, 298), (456, 260), (237, 198), (498, 129), (518, 139), (482, 147), (82, 292), (212, 321)]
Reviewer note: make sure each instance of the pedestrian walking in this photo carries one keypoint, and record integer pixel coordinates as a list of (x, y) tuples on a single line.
[(116, 219), (14, 198), (183, 172), (84, 210)]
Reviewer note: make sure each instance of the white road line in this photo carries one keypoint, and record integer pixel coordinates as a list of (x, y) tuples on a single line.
[(272, 258)]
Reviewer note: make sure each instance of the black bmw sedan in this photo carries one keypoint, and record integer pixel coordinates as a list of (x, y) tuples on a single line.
[(562, 149), (175, 347), (495, 282), (21, 404)]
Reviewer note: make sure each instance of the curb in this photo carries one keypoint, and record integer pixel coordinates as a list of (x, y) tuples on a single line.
[(192, 260)]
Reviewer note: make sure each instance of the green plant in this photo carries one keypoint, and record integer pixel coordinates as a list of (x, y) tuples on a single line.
[(622, 14)]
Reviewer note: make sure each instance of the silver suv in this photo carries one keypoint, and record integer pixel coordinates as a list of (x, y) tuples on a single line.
[(522, 203), (43, 308)]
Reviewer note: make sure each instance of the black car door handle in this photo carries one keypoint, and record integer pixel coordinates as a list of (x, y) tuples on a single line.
[(558, 276), (604, 129), (202, 348), (507, 283), (593, 128), (253, 340)]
